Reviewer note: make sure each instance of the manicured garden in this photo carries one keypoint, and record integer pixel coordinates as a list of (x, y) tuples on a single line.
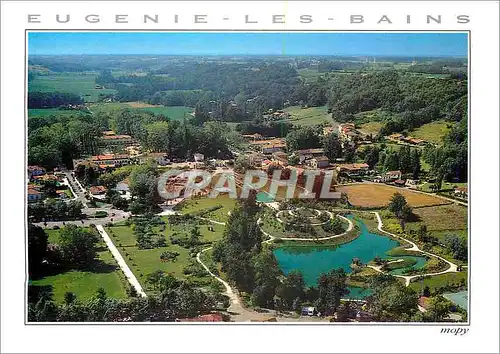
[(302, 223), (177, 255)]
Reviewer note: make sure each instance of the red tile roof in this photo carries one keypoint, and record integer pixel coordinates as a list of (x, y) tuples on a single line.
[(212, 317), (97, 189)]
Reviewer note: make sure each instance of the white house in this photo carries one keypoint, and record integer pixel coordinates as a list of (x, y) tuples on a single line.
[(319, 162), (391, 176), (198, 157)]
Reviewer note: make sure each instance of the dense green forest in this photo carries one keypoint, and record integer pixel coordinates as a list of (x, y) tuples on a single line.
[(52, 99), (405, 95)]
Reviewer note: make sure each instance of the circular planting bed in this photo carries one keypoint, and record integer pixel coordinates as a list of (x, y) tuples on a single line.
[(305, 223), (313, 216)]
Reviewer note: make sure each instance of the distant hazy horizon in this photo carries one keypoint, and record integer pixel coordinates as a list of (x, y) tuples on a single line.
[(222, 44)]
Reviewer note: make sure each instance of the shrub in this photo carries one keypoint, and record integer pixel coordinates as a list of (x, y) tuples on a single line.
[(101, 214)]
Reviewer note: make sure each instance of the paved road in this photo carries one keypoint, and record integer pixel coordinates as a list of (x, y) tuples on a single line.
[(77, 188), (121, 262)]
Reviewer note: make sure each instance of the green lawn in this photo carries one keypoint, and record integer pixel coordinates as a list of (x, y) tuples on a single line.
[(175, 113), (453, 281), (433, 132), (105, 274), (445, 186), (144, 262), (371, 128), (194, 205), (309, 116), (78, 83)]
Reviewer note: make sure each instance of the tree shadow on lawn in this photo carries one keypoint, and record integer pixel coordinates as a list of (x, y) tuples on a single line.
[(35, 292), (97, 266)]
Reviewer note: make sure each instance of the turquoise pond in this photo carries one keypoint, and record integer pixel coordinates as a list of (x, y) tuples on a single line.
[(264, 197), (313, 261), (461, 299)]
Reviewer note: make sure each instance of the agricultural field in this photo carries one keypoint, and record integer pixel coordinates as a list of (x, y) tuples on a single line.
[(443, 217), (433, 132), (309, 116), (174, 112), (379, 195), (104, 273), (77, 83)]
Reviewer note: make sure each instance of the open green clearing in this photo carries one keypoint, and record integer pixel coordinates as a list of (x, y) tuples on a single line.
[(442, 283), (145, 261), (104, 273), (433, 132), (375, 115), (174, 112), (195, 205), (77, 83), (372, 128), (309, 116)]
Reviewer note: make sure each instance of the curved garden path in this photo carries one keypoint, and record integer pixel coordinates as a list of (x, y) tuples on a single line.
[(238, 312), (451, 269), (272, 238)]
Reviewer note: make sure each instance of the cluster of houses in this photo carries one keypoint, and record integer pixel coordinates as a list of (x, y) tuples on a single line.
[(348, 132), (268, 145), (350, 136), (276, 115), (38, 178), (401, 139), (76, 107)]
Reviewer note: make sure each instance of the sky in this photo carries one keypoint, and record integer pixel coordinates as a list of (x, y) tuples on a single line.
[(210, 43)]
